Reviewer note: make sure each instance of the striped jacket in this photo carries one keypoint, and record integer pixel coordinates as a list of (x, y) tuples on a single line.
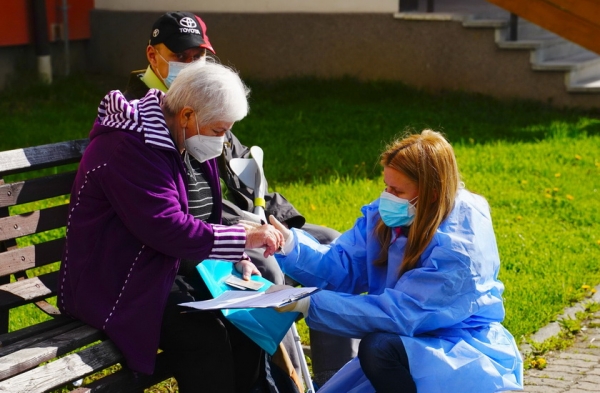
[(129, 227)]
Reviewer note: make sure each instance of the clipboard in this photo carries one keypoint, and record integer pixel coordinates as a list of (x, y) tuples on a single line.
[(275, 296), (265, 326)]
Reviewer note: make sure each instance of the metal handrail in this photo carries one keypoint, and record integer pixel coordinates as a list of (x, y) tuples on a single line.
[(413, 5), (430, 5), (513, 27)]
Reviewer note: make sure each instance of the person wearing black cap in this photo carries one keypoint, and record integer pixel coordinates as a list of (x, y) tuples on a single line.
[(177, 38)]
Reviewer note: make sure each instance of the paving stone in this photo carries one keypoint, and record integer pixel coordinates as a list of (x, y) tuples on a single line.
[(559, 369), (579, 356), (542, 389), (553, 382), (586, 348), (586, 387), (589, 378), (583, 364), (594, 371)]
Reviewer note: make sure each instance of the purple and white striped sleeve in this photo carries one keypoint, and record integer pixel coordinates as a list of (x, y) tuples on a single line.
[(229, 242)]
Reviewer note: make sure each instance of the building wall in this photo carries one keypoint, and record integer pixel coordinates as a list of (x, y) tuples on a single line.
[(20, 61), (17, 51), (433, 55), (16, 21), (259, 6), (269, 39)]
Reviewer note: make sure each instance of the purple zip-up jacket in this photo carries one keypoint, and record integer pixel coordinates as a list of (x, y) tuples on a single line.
[(129, 227)]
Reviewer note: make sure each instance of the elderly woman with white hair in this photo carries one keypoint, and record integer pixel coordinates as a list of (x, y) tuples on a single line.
[(145, 198)]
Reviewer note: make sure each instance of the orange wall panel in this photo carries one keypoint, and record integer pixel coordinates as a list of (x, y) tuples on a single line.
[(16, 20), (585, 9), (14, 26), (576, 20)]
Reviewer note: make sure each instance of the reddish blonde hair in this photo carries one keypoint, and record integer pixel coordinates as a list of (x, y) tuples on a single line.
[(428, 160)]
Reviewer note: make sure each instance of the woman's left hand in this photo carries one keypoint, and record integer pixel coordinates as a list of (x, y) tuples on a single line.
[(300, 306), (246, 268)]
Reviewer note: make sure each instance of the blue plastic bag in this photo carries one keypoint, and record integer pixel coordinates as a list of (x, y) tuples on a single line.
[(265, 326)]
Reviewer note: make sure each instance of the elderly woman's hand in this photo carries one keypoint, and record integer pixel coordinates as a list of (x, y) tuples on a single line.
[(265, 235), (246, 268)]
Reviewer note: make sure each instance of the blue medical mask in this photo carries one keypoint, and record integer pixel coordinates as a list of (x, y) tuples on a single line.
[(396, 212), (175, 68)]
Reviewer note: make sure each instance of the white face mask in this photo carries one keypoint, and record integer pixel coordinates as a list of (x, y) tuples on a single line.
[(203, 147)]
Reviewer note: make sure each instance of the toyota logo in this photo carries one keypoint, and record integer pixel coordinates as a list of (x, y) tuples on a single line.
[(188, 22)]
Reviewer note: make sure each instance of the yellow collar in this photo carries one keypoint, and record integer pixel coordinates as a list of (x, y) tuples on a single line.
[(153, 81)]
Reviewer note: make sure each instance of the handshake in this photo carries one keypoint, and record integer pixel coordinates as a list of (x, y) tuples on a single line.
[(272, 237)]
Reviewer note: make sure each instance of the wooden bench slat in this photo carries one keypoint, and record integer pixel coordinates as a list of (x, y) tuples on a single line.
[(46, 307), (125, 380), (29, 290), (8, 339), (39, 157), (21, 259), (63, 370), (36, 189), (30, 357), (12, 227), (67, 325)]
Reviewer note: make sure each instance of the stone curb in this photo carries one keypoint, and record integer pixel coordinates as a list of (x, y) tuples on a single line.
[(575, 369), (553, 328)]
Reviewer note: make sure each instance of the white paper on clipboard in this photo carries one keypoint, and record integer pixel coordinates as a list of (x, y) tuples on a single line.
[(277, 297)]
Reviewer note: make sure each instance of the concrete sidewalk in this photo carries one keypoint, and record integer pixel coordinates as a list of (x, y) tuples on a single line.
[(574, 370)]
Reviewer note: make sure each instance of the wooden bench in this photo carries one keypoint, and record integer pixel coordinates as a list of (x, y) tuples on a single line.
[(59, 350)]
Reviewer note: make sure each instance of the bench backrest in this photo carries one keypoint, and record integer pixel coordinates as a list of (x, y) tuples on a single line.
[(34, 189), (35, 184)]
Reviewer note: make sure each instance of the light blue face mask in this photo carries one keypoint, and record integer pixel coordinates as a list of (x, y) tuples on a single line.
[(175, 68), (396, 212)]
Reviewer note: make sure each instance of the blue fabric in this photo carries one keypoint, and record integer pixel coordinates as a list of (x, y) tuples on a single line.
[(447, 310), (265, 326)]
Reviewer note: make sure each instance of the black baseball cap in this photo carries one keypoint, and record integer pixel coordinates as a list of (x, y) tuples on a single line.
[(180, 31)]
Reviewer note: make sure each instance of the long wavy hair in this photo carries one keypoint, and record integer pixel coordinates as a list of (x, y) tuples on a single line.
[(428, 160)]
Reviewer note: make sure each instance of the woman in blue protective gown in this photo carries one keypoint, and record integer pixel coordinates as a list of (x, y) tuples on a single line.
[(416, 279)]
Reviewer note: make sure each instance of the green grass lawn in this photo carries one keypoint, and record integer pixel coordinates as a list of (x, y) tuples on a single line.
[(538, 166)]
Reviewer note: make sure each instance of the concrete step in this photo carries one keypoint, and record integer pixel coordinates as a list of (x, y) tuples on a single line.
[(478, 22), (562, 56), (584, 77), (436, 16), (549, 52), (562, 49), (529, 36), (529, 31)]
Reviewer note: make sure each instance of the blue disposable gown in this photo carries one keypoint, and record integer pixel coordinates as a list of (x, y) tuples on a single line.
[(447, 310)]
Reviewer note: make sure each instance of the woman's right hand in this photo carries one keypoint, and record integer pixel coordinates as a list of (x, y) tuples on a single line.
[(282, 228)]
